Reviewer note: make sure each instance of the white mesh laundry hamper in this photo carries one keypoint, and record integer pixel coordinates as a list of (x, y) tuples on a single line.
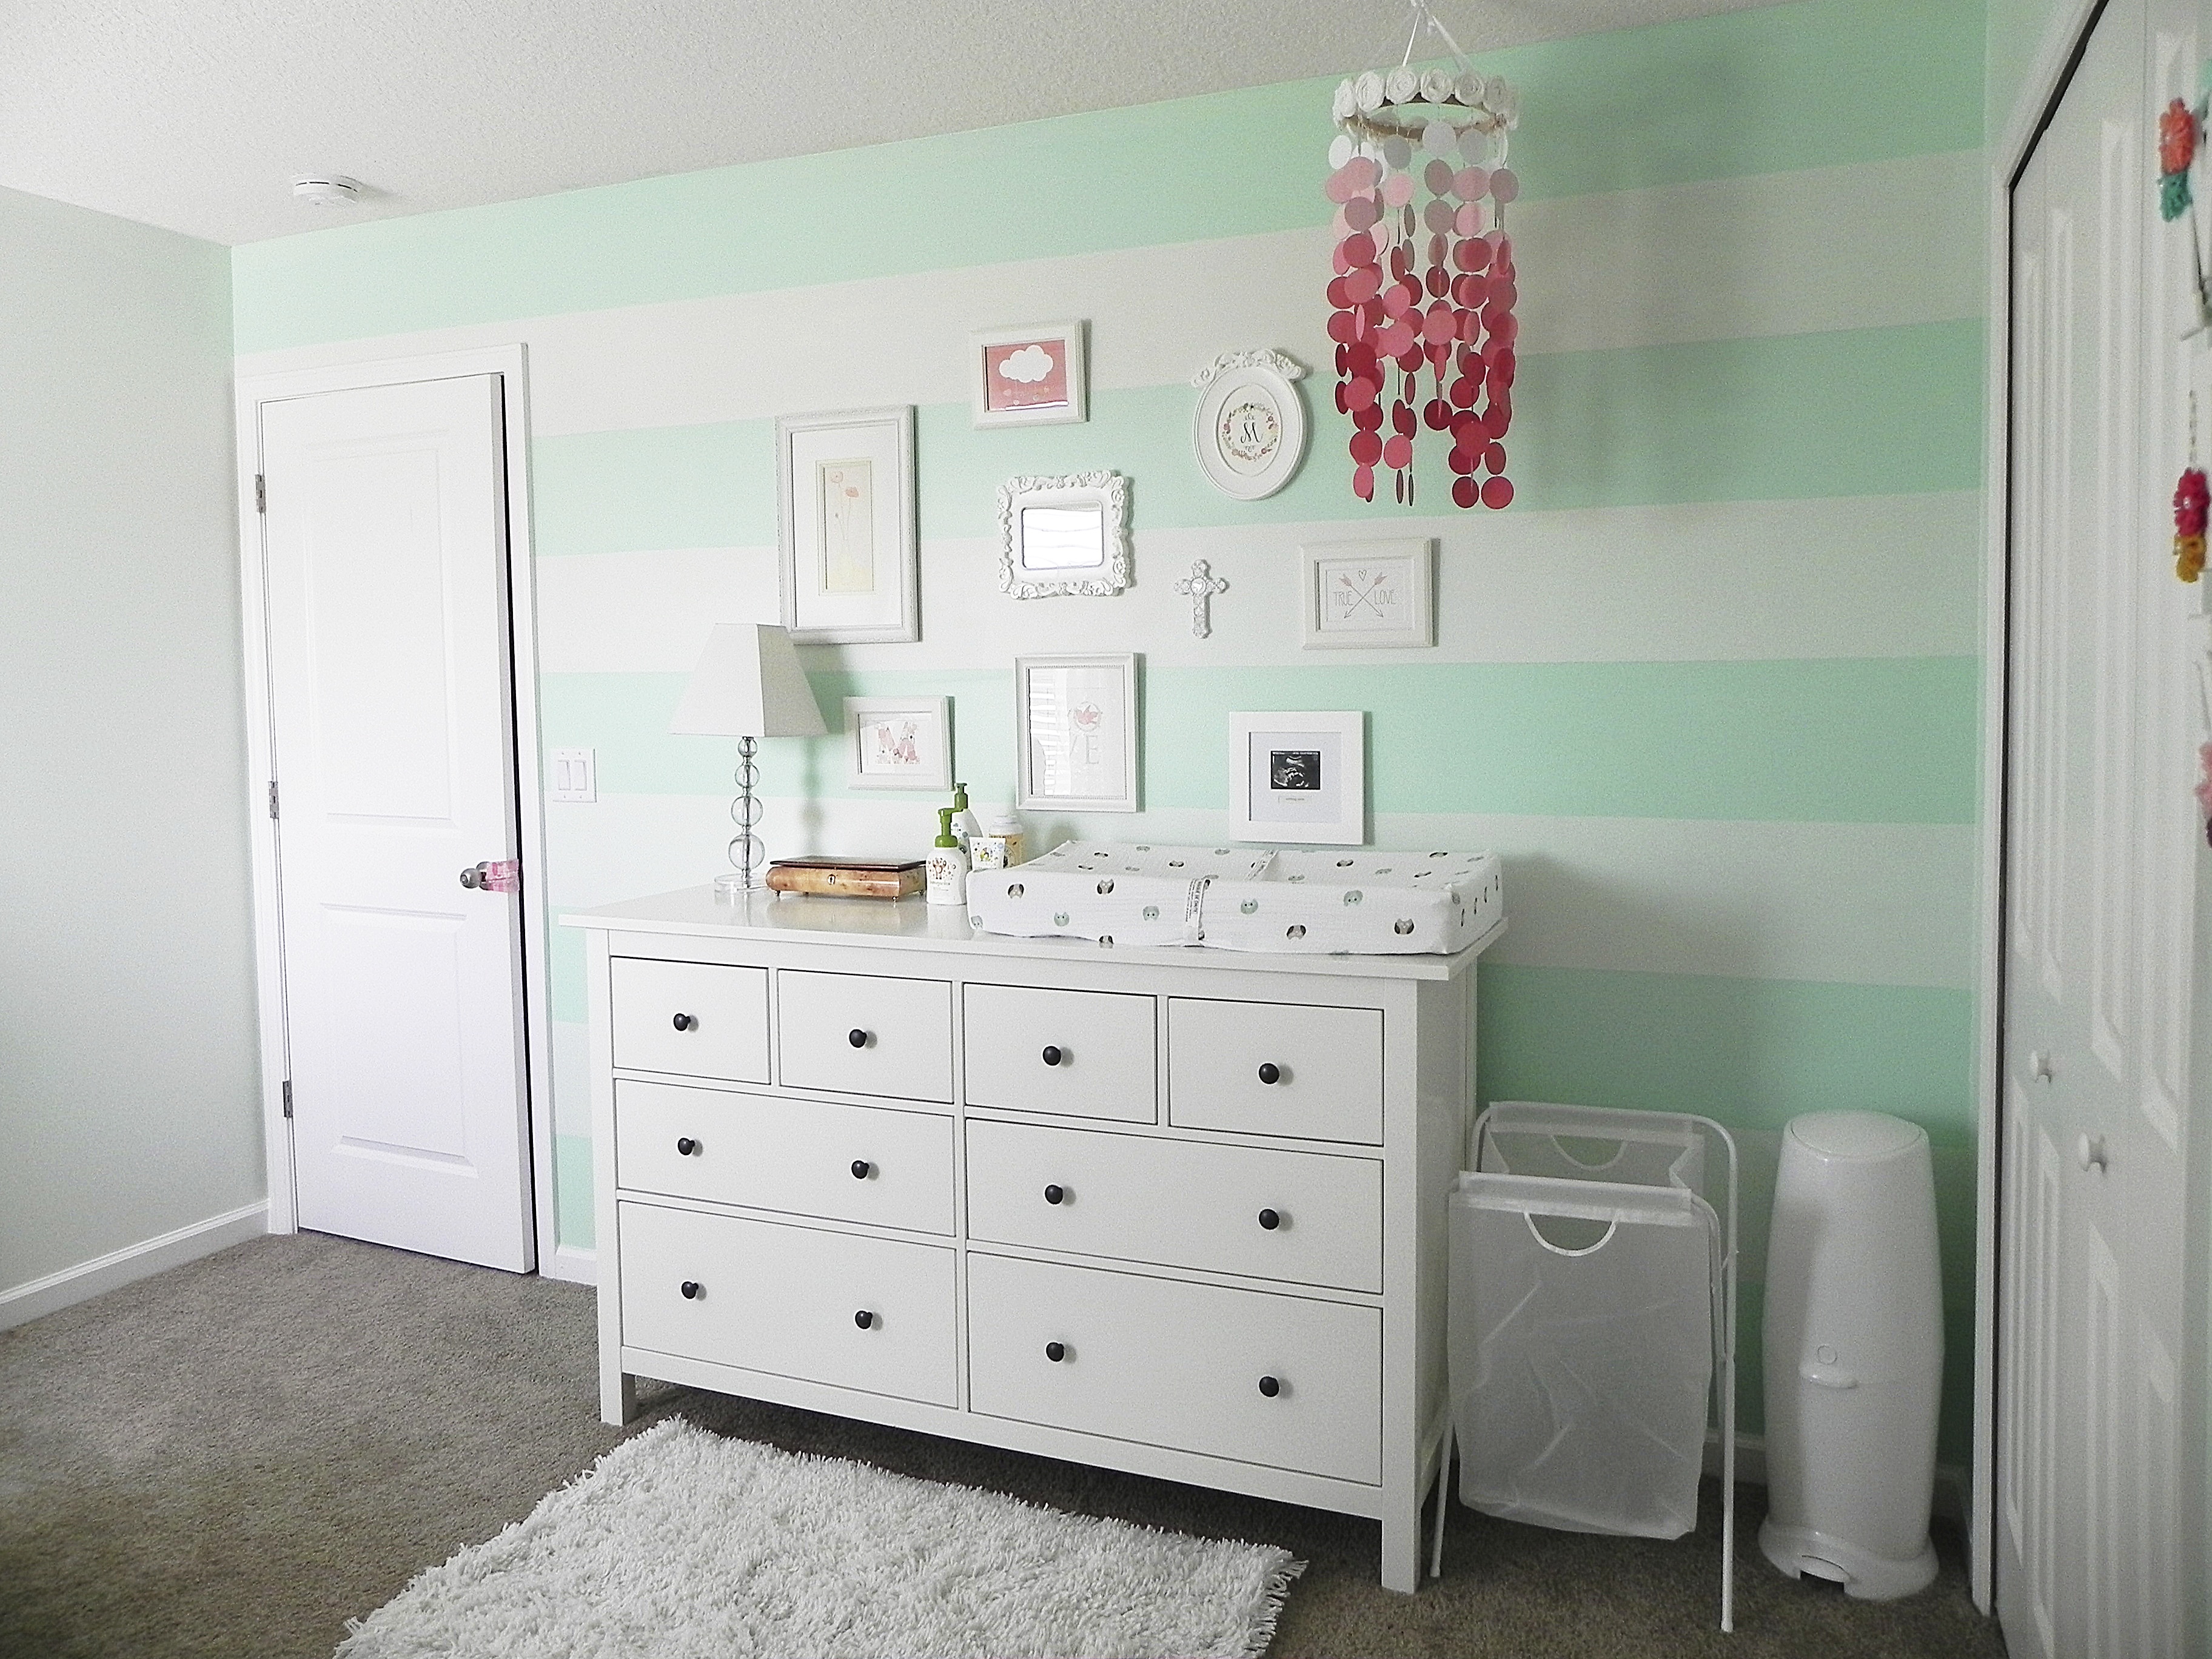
[(1592, 1310)]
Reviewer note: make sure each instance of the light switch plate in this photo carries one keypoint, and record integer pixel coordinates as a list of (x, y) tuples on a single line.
[(576, 774)]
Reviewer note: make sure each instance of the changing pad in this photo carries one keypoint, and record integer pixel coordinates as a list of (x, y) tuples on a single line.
[(1365, 904)]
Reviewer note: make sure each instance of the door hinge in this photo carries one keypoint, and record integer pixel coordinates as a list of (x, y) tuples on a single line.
[(261, 492), (272, 798), (287, 1097)]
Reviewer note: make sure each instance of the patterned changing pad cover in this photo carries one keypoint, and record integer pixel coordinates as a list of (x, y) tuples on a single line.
[(1359, 903)]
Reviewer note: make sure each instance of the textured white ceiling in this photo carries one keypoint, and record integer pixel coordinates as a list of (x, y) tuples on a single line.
[(196, 114)]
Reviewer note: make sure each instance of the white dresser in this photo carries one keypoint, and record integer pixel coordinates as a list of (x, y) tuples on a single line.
[(1178, 1212)]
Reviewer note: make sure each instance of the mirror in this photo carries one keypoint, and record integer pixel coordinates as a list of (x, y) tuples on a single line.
[(1064, 536)]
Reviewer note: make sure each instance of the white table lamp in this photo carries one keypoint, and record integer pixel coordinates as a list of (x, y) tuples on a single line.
[(748, 685)]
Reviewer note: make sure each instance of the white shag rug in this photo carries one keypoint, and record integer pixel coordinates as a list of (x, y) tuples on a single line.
[(682, 1545)]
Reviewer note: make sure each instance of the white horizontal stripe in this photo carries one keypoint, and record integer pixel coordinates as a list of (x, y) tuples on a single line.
[(1852, 904), (1719, 581), (1869, 244)]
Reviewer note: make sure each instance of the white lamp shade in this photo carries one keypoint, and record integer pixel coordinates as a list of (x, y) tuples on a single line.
[(749, 684)]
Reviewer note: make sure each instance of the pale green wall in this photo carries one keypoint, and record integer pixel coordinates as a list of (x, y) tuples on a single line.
[(1711, 685), (129, 1088)]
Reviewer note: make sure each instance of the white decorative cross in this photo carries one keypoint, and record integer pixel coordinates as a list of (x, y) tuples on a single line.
[(1201, 585)]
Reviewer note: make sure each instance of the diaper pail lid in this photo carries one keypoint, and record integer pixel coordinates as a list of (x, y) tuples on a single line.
[(1855, 1135)]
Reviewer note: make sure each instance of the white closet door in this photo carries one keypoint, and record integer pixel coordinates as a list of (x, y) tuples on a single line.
[(2101, 875), (385, 538)]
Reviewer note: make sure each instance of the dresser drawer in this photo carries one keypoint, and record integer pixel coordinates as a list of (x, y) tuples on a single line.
[(809, 1157), (1275, 1068), (1177, 1364), (1183, 1203), (785, 1299), (696, 1017), (865, 1034), (1078, 1054)]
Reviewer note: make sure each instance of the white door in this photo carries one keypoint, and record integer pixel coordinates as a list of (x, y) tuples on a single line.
[(391, 705), (2099, 875)]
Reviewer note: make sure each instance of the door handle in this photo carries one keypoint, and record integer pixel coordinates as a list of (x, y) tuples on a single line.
[(493, 876), (2090, 1151)]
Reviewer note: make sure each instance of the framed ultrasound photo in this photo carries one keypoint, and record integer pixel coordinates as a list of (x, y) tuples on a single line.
[(1298, 778)]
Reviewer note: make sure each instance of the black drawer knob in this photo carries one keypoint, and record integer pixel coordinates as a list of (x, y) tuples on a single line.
[(686, 1147), (1270, 1220), (857, 1038), (1270, 1072), (862, 1168), (691, 1288), (1055, 1194), (1053, 1055), (1056, 1351), (684, 1022), (1269, 1387), (864, 1319)]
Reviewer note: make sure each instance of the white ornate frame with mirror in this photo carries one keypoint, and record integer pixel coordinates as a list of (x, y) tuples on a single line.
[(899, 743), (1064, 535), (1250, 430), (845, 525), (1298, 777), (1075, 720)]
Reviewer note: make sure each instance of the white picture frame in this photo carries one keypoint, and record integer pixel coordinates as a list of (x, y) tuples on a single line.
[(1064, 535), (1366, 595), (1249, 430), (1076, 727), (1298, 777), (844, 526), (899, 743), (1034, 375)]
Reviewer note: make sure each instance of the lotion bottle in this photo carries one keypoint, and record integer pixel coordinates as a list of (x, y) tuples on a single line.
[(963, 821), (948, 864)]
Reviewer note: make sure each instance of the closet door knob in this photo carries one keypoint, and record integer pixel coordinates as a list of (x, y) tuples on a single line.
[(1270, 1072), (1270, 1220), (1054, 1194), (857, 1038), (684, 1022), (1052, 1056), (685, 1147), (1056, 1351), (862, 1168), (864, 1319), (691, 1287), (1270, 1387)]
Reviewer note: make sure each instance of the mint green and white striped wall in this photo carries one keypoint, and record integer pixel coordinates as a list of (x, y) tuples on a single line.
[(1710, 685)]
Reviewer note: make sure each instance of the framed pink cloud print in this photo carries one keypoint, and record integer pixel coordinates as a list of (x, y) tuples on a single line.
[(1033, 376)]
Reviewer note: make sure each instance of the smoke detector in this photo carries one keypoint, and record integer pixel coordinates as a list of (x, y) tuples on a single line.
[(329, 189)]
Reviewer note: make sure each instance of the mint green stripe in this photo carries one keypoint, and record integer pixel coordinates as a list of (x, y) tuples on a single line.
[(1765, 91), (1853, 412), (1752, 1054), (574, 1221), (654, 487), (564, 969), (1855, 740)]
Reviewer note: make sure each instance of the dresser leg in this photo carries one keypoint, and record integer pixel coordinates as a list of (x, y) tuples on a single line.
[(1401, 1542), (617, 1397)]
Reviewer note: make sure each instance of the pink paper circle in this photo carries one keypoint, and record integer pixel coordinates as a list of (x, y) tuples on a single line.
[(1360, 212), (1505, 186), (1362, 284), (1398, 190), (1366, 449), (1471, 184), (1467, 221), (1463, 492), (1437, 176), (1497, 493), (1362, 482), (1398, 452)]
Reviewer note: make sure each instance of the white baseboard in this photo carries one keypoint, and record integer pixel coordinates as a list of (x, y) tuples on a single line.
[(1950, 1503), (575, 1264), (23, 1303)]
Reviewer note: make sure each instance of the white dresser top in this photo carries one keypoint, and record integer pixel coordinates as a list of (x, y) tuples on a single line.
[(914, 925)]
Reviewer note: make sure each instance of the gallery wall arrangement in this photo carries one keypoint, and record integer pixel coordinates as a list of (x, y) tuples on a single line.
[(1708, 684)]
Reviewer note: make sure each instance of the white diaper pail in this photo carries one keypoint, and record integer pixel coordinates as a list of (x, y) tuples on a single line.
[(1854, 1354)]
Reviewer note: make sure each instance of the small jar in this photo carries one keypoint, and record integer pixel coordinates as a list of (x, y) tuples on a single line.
[(1000, 845)]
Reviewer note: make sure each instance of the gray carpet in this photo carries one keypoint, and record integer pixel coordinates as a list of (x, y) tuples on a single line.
[(233, 1458)]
